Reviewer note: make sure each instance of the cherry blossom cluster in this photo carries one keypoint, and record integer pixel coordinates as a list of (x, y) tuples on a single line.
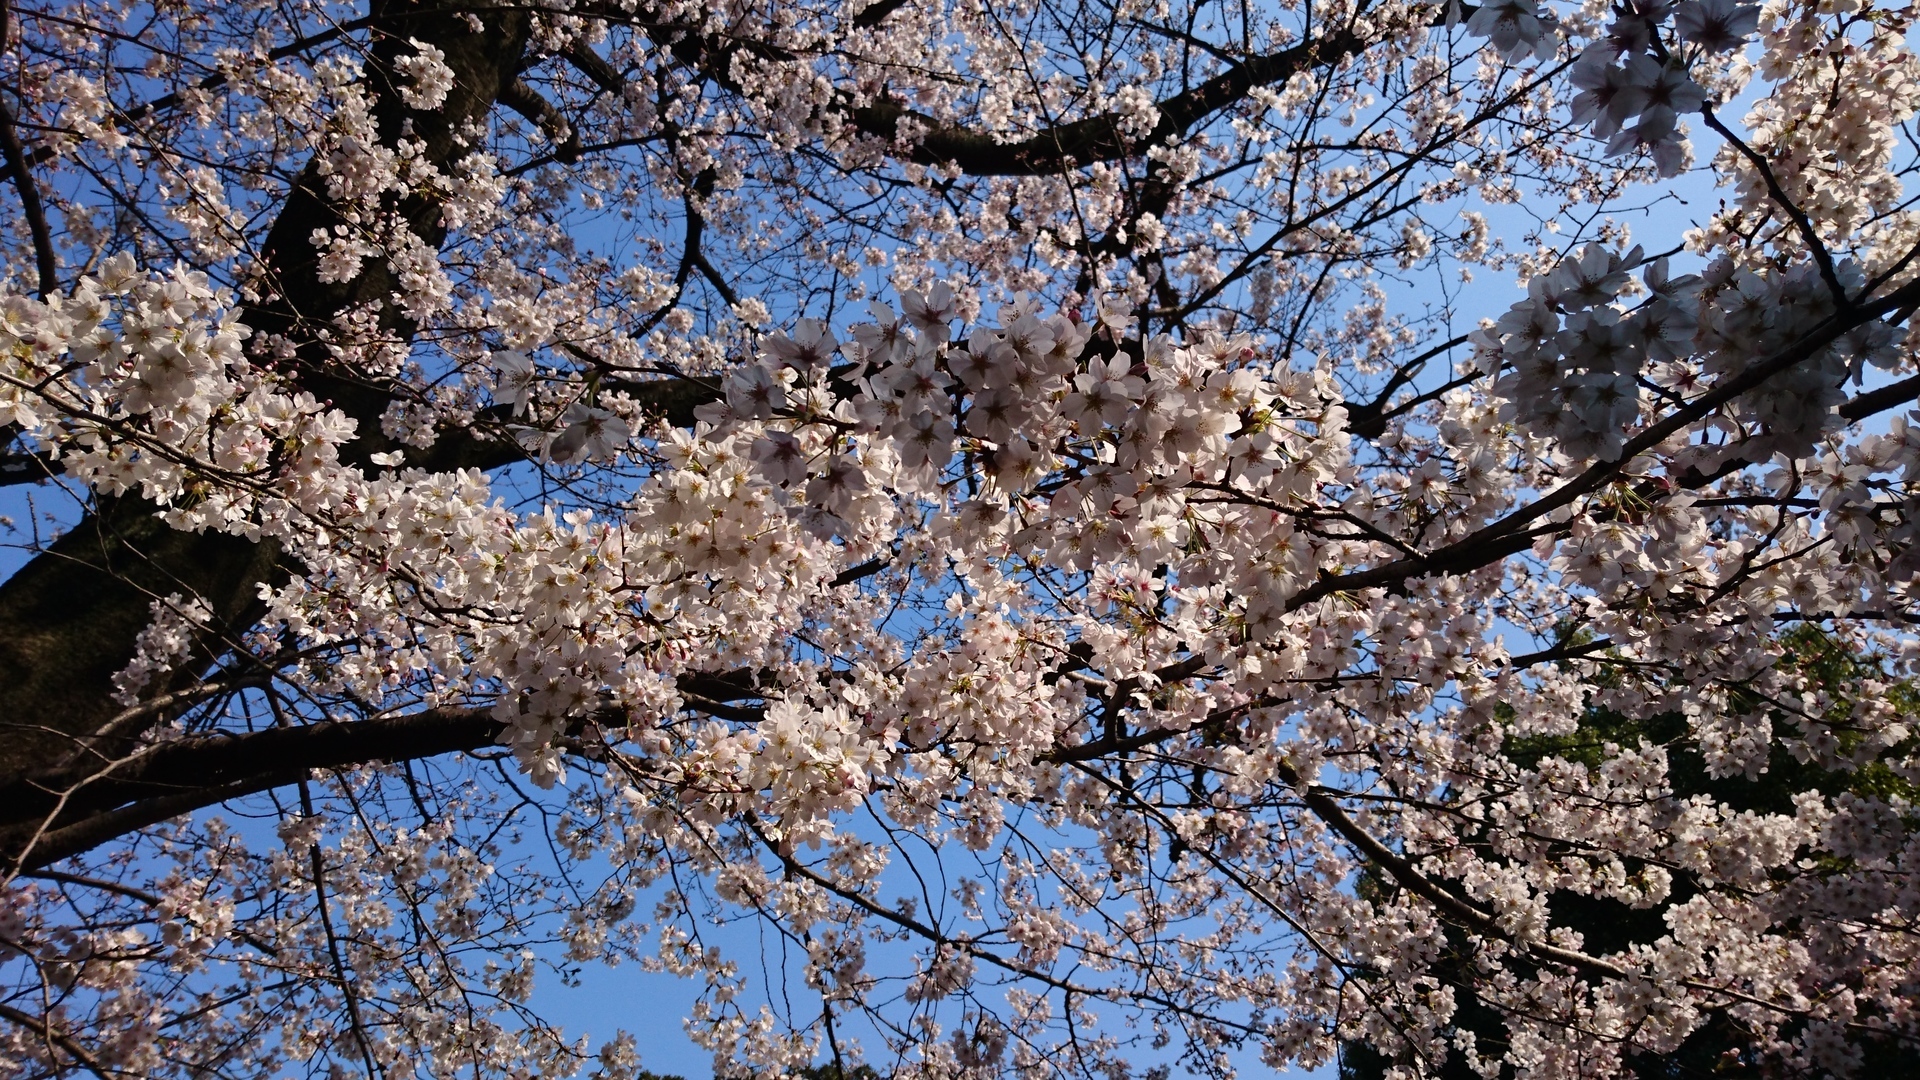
[(978, 489), (1631, 73), (1574, 359), (1837, 90), (1187, 547), (139, 383), (1112, 530)]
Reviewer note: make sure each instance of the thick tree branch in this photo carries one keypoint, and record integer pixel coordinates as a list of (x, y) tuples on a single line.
[(1098, 138), (876, 13), (51, 815), (1891, 396), (54, 813), (525, 100), (594, 67), (1045, 152)]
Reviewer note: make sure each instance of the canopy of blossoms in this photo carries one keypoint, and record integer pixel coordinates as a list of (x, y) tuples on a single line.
[(1018, 497)]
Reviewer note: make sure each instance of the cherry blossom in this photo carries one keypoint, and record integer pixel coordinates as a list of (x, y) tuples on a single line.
[(1125, 537)]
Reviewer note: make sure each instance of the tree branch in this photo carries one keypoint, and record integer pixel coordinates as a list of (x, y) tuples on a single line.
[(1045, 152), (54, 1037), (51, 815), (1509, 534), (42, 154), (36, 213), (1369, 420), (1892, 396), (1324, 806), (525, 100)]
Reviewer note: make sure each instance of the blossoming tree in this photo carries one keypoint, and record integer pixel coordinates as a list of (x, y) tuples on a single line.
[(1020, 496)]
